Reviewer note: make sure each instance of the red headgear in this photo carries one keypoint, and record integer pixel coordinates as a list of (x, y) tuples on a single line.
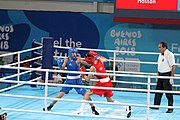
[(94, 53), (89, 58)]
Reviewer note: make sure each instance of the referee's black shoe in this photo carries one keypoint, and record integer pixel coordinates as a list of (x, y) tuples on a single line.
[(169, 111)]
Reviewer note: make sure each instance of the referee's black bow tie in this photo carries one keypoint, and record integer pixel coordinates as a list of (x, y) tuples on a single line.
[(162, 53)]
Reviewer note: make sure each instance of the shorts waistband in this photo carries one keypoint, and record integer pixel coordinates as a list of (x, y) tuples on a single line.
[(104, 79), (73, 77), (165, 73)]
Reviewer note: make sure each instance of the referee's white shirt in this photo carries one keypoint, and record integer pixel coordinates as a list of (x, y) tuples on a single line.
[(166, 61)]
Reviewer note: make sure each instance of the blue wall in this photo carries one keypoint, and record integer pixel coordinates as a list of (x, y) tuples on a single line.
[(88, 30)]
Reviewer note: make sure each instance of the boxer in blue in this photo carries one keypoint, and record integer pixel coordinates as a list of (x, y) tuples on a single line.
[(73, 64)]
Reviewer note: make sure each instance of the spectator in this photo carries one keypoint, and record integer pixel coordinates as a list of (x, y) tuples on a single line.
[(26, 76), (111, 67), (1, 61), (26, 64), (15, 60), (56, 78)]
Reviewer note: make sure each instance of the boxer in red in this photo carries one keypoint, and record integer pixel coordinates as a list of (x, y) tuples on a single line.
[(97, 65)]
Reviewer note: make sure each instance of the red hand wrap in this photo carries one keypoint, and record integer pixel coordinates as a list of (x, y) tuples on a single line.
[(82, 69)]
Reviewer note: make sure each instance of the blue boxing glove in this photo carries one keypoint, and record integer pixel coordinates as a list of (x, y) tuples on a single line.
[(96, 57), (60, 62)]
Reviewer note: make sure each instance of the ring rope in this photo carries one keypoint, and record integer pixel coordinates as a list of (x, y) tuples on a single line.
[(15, 86), (12, 64), (114, 51), (93, 73), (66, 114), (19, 52), (82, 101), (80, 86)]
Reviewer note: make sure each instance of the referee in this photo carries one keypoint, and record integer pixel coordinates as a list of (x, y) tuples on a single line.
[(166, 67)]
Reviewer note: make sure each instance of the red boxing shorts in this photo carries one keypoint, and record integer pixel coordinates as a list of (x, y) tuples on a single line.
[(100, 92)]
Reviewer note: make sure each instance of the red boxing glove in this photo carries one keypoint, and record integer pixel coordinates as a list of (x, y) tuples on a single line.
[(82, 69)]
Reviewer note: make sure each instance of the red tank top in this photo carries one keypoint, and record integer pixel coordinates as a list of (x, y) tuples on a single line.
[(100, 69)]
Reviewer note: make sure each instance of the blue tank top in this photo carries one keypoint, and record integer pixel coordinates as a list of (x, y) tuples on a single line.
[(72, 66)]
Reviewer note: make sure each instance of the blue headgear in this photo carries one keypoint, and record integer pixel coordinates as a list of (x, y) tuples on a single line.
[(70, 51)]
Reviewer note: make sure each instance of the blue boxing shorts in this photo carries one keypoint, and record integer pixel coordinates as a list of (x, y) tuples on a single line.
[(77, 81)]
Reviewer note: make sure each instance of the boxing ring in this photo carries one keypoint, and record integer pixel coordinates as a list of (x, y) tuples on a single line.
[(21, 101)]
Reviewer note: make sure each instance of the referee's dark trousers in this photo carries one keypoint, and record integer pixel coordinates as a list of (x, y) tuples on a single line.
[(164, 84)]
